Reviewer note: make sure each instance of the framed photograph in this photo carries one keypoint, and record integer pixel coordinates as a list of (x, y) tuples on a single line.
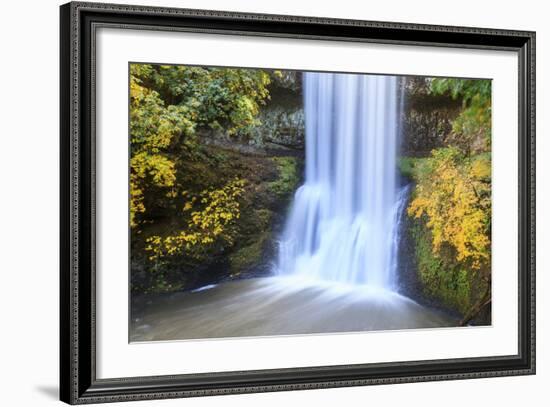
[(255, 203)]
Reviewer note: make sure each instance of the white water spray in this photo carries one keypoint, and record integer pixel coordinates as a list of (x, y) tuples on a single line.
[(343, 224)]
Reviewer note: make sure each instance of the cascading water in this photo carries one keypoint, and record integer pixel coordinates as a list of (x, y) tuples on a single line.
[(343, 224)]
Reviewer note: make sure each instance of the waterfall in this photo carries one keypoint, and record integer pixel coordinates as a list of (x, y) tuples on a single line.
[(343, 222)]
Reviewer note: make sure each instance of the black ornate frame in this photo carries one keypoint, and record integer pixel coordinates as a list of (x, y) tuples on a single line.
[(78, 382)]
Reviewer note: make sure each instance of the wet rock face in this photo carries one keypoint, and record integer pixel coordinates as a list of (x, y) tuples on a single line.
[(282, 123), (427, 119), (281, 128)]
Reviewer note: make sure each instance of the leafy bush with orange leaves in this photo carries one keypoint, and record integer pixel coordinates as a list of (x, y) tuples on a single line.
[(212, 216), (451, 205), (167, 105), (453, 193)]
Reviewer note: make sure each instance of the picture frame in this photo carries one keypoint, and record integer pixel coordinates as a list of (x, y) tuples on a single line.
[(79, 382)]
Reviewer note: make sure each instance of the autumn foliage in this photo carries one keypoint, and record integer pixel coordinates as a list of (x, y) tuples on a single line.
[(454, 195), (213, 215), (169, 106), (451, 201)]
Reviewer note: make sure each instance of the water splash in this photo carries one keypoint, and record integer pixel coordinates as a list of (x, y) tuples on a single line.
[(343, 224)]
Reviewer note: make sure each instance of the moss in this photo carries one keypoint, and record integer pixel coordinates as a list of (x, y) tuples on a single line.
[(160, 285), (441, 276), (414, 167), (406, 165), (263, 218), (256, 223), (249, 255), (288, 177)]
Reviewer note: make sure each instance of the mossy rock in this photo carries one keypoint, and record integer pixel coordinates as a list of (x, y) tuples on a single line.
[(247, 256), (288, 177), (406, 166), (442, 277)]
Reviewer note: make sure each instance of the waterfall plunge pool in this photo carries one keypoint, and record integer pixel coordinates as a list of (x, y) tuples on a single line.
[(282, 305)]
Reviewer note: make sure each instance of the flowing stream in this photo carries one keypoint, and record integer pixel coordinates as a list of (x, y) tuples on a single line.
[(337, 262)]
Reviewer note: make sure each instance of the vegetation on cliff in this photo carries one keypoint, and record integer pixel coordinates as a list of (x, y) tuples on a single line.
[(192, 199), (451, 203)]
